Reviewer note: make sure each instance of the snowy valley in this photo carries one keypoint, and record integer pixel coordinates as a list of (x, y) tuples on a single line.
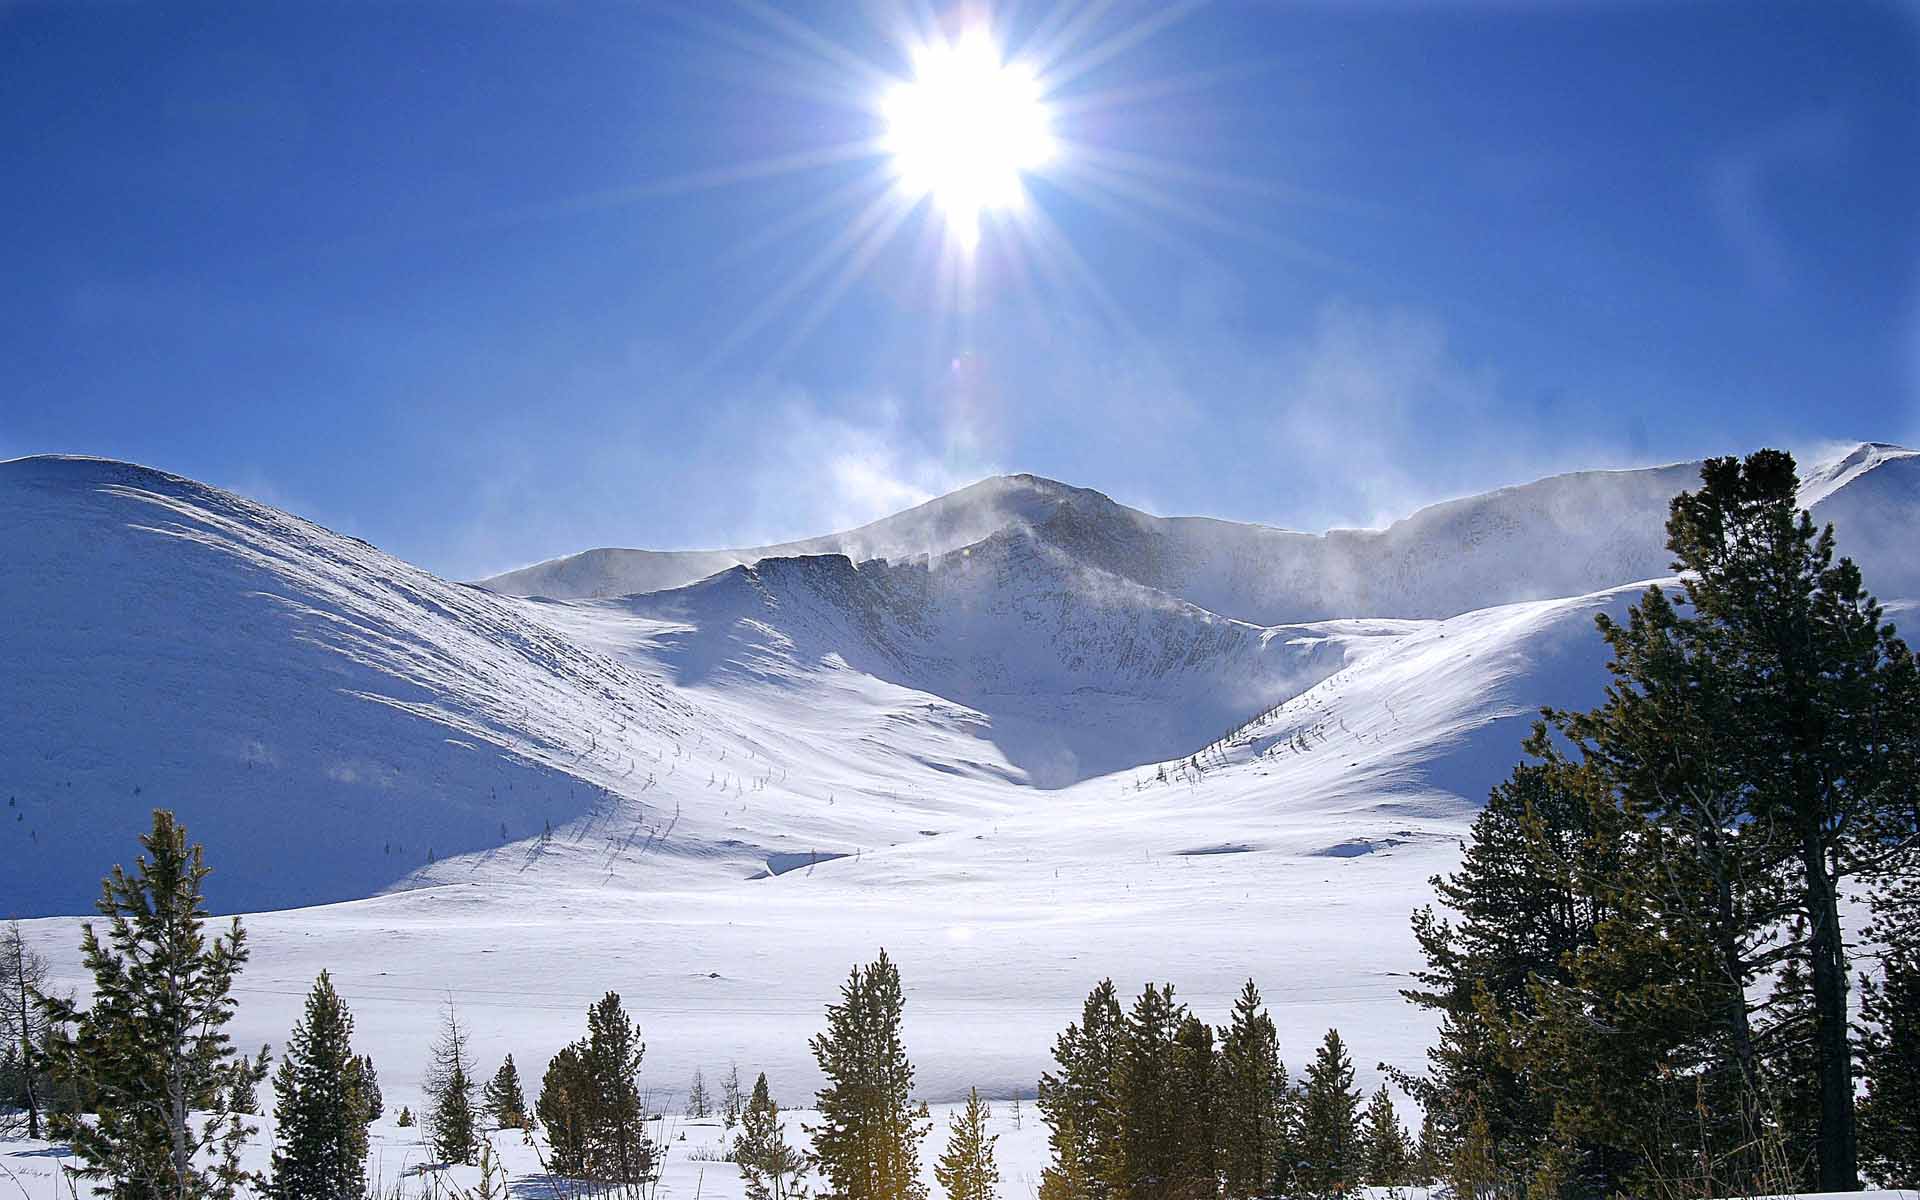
[(1022, 736)]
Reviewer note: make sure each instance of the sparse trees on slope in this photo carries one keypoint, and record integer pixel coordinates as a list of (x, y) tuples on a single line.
[(967, 1170), (23, 1026), (152, 1052), (772, 1169), (451, 1124), (506, 1102), (867, 1142), (1330, 1151), (320, 1108)]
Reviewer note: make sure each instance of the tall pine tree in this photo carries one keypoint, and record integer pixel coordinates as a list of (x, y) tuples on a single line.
[(320, 1148), (867, 1144), (1252, 1099), (1078, 1102), (152, 1053), (450, 1085), (1330, 1151)]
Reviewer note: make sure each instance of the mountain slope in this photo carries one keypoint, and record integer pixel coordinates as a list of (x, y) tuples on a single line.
[(325, 716)]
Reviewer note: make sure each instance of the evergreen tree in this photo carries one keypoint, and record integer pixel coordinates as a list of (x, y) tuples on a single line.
[(699, 1104), (23, 1026), (367, 1080), (1890, 1063), (1822, 736), (451, 1125), (1429, 1152), (320, 1149), (1195, 1079), (730, 1098), (506, 1102), (152, 1051), (565, 1106), (1252, 1098), (1384, 1145), (1520, 908), (772, 1169), (405, 1119), (1078, 1102), (1147, 1100), (867, 1142), (967, 1171), (1330, 1151), (620, 1149)]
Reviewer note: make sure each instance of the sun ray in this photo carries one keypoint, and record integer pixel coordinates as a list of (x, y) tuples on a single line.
[(1085, 61), (821, 261), (870, 76), (850, 272), (1203, 217)]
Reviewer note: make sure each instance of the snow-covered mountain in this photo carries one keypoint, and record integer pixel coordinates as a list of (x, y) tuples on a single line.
[(1559, 536), (986, 733)]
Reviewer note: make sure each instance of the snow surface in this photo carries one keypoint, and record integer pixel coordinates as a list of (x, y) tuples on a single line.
[(980, 734)]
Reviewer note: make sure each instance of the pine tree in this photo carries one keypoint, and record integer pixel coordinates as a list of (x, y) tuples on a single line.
[(867, 1142), (320, 1150), (1890, 1064), (1519, 909), (1078, 1102), (23, 1026), (405, 1119), (367, 1080), (772, 1169), (1384, 1146), (1823, 736), (506, 1102), (730, 1098), (152, 1051), (1252, 1094), (451, 1125), (1147, 1099), (620, 1150), (699, 1104), (1195, 1080), (565, 1107), (1330, 1124), (967, 1170)]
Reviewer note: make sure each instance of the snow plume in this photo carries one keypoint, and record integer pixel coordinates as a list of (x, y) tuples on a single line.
[(814, 468)]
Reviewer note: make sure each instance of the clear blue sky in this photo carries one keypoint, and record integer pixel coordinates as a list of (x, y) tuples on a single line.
[(486, 283)]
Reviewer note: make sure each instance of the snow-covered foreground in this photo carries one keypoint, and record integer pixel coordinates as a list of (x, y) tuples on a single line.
[(998, 760)]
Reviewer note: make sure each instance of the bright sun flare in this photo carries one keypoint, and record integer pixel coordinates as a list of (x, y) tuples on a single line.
[(965, 129)]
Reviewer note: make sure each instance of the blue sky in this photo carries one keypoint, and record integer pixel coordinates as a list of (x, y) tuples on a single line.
[(486, 283)]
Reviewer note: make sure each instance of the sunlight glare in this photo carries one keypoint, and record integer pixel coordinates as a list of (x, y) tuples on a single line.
[(965, 130)]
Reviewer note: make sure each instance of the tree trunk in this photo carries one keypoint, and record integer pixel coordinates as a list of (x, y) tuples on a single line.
[(1838, 1148)]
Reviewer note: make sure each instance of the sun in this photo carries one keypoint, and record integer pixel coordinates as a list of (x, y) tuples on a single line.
[(965, 130)]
